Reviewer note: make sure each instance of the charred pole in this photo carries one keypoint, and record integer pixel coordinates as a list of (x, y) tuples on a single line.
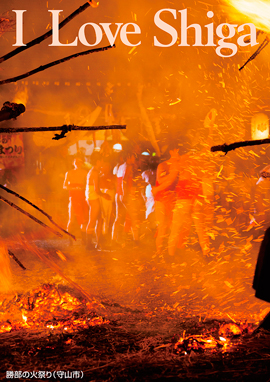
[(11, 254), (258, 51), (64, 129), (39, 39), (232, 146), (53, 63), (37, 208), (58, 128), (30, 216)]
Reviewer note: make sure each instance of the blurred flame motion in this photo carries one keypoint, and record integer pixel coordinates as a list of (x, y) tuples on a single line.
[(258, 11)]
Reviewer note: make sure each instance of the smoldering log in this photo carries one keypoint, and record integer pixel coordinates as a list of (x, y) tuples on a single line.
[(46, 35), (53, 63), (236, 145)]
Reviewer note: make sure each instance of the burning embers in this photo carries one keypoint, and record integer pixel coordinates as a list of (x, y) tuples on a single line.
[(228, 336), (49, 307)]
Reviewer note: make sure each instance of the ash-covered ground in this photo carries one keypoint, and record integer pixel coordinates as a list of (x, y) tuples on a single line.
[(159, 311)]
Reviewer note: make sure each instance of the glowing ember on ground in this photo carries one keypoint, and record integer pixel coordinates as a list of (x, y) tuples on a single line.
[(48, 307), (228, 336)]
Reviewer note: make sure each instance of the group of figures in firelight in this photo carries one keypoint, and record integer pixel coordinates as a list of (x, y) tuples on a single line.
[(128, 193), (124, 193)]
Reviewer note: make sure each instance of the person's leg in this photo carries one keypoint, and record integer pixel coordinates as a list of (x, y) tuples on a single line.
[(118, 225), (162, 220), (94, 214), (71, 226), (81, 211), (135, 208), (106, 208), (180, 226), (69, 215), (200, 220)]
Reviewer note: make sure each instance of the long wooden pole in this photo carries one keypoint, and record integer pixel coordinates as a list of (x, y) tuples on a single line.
[(39, 39), (30, 216), (53, 63), (232, 146), (37, 208), (58, 128)]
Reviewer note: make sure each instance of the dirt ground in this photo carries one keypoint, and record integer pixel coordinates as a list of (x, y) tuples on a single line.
[(150, 301)]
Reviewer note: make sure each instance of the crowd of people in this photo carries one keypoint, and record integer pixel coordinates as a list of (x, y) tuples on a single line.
[(108, 199), (127, 193)]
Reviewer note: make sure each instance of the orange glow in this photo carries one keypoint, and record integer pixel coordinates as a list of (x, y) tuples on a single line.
[(230, 330), (93, 3), (258, 11), (46, 307), (24, 318), (21, 96)]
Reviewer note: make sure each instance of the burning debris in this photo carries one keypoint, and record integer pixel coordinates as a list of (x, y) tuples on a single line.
[(49, 307), (222, 337), (54, 322)]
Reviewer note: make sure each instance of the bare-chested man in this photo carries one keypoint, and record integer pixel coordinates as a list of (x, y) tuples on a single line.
[(93, 194)]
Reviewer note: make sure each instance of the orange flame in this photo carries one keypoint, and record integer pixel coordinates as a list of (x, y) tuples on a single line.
[(47, 307), (258, 11)]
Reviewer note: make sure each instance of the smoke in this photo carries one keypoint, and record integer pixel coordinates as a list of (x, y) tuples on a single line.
[(5, 271)]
